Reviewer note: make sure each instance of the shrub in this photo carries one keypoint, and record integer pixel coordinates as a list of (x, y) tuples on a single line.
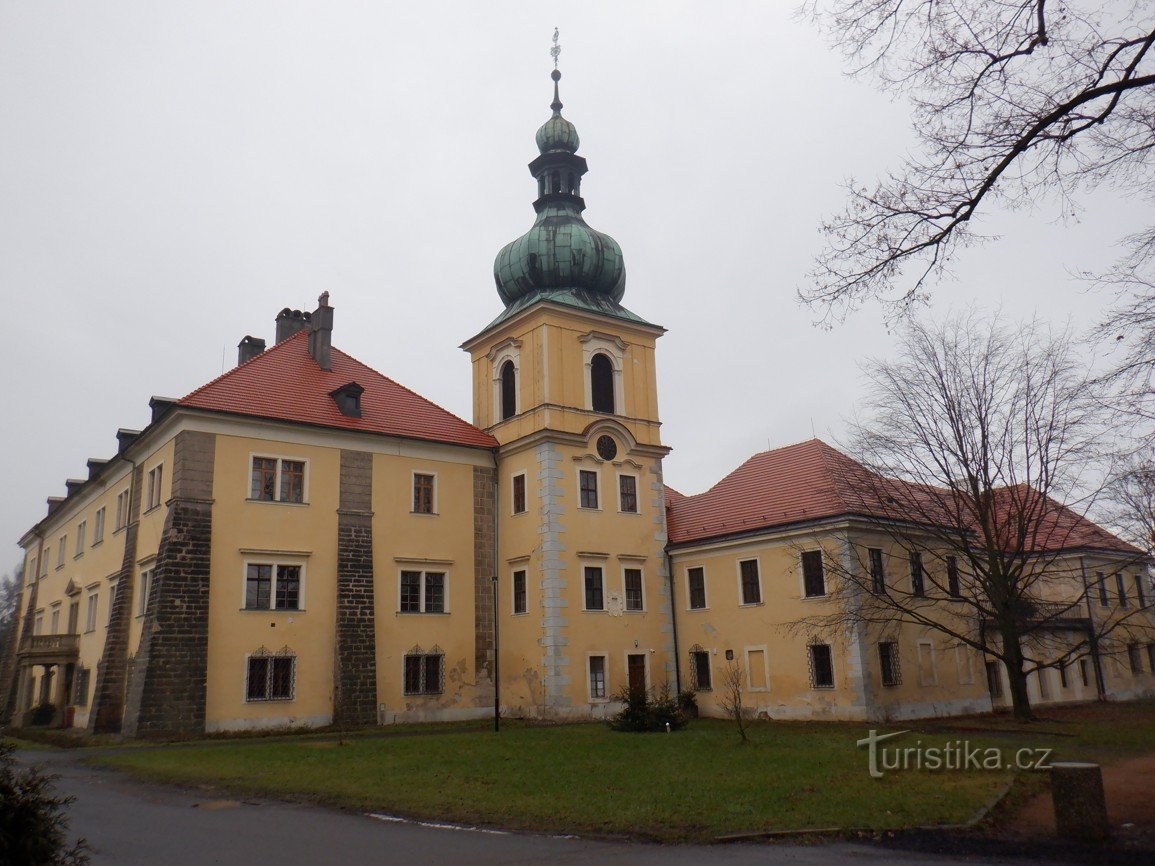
[(643, 710), (32, 820)]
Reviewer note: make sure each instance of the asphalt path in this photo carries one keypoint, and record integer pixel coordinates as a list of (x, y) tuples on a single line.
[(131, 823)]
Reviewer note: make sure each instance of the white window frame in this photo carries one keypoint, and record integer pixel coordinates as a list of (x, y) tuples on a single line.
[(31, 572), (928, 647), (738, 575), (705, 589), (613, 347), (520, 568), (112, 584), (91, 609), (525, 489), (281, 459), (604, 656), (762, 648), (81, 538), (147, 574), (123, 506), (600, 566), (61, 547), (154, 482), (637, 493), (440, 569), (632, 566), (54, 617), (38, 623), (509, 350), (98, 525), (282, 654), (274, 564), (802, 594), (435, 504), (814, 668), (598, 487)]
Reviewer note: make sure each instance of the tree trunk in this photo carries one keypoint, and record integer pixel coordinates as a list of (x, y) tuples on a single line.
[(1013, 659)]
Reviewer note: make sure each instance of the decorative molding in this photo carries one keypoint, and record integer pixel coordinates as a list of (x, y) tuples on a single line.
[(264, 551)]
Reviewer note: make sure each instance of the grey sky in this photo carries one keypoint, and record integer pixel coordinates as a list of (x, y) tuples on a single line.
[(172, 174)]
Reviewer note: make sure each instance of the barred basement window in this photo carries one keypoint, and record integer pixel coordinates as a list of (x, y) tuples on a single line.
[(700, 669), (821, 666), (271, 676), (813, 577), (277, 480), (889, 663), (424, 671)]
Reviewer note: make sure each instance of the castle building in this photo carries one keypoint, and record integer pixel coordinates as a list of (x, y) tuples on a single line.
[(303, 541)]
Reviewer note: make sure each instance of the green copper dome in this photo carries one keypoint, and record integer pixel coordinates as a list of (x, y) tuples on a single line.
[(561, 253)]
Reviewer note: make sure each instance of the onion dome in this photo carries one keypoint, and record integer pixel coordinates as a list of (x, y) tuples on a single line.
[(561, 255)]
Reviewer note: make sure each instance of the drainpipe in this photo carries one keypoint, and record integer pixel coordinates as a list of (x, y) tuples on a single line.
[(1092, 638), (496, 609), (674, 624)]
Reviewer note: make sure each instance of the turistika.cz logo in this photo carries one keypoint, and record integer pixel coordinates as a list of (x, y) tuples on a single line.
[(954, 755)]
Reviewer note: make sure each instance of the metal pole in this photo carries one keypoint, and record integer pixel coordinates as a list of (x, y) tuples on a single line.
[(496, 677)]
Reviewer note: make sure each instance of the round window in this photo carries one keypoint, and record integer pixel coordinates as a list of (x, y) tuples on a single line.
[(607, 447)]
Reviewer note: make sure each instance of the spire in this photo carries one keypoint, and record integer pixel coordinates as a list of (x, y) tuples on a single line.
[(555, 52)]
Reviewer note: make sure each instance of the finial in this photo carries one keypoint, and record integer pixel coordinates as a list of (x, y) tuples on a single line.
[(555, 75)]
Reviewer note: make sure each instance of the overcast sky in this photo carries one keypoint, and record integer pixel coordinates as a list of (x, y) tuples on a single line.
[(172, 174)]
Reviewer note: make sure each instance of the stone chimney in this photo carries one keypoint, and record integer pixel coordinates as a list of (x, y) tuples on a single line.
[(321, 333), (289, 322), (250, 347)]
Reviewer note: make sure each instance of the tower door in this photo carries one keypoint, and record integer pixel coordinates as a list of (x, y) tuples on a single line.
[(636, 671)]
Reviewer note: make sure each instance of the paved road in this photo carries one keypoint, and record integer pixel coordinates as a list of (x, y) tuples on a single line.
[(128, 823)]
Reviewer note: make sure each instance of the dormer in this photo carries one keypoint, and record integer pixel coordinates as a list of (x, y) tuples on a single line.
[(348, 399)]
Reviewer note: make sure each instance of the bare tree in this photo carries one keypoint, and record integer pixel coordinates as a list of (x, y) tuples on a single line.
[(9, 597), (730, 700), (1013, 102), (976, 436), (1131, 500), (1127, 331)]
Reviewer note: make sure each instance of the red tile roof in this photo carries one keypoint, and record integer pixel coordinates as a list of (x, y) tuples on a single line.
[(284, 383), (812, 481)]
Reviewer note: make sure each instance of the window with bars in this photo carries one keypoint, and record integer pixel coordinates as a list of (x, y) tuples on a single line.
[(877, 572), (700, 669), (422, 592), (889, 663), (821, 666), (519, 593), (696, 579), (917, 574), (588, 488), (272, 586), (628, 493), (751, 583), (271, 676), (274, 479), (594, 588), (633, 581), (813, 576), (519, 493), (423, 490), (424, 672)]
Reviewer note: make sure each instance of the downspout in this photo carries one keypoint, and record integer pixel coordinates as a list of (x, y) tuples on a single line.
[(1092, 638)]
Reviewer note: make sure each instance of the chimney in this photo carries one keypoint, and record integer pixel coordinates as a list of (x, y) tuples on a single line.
[(321, 333), (289, 322), (250, 347)]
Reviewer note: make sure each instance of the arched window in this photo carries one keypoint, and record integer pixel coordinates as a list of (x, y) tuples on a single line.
[(571, 185), (555, 182), (602, 383), (508, 390)]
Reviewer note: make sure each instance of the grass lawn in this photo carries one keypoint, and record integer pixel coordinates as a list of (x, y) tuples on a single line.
[(691, 785)]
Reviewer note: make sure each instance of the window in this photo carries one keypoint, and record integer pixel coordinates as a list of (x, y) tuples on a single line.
[(122, 503), (696, 578), (813, 577), (32, 563), (821, 666), (155, 477), (508, 390), (927, 668), (597, 665), (953, 585), (424, 672), (877, 572), (55, 619), (277, 480), (38, 624), (519, 600), (633, 581), (422, 592), (889, 664), (80, 694), (98, 526), (1044, 684), (111, 600), (917, 575), (269, 586), (60, 548), (700, 669), (594, 598), (81, 532), (1140, 595), (74, 617), (271, 677), (628, 493), (1134, 659), (1062, 666), (1121, 588), (519, 493), (1084, 672), (90, 612), (602, 383), (146, 587), (1101, 580), (995, 680), (1151, 657), (44, 564), (423, 486), (588, 485), (751, 585)]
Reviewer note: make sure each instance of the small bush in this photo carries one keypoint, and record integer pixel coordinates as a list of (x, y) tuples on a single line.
[(646, 711), (43, 714), (32, 820)]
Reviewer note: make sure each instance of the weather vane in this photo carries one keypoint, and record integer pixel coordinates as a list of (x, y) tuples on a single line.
[(556, 49)]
